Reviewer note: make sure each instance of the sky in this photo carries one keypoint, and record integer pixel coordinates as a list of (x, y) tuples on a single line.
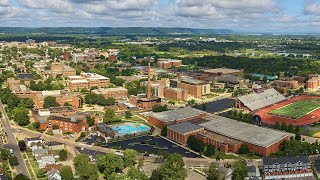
[(296, 16)]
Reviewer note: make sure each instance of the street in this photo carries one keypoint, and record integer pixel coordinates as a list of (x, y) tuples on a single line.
[(12, 143)]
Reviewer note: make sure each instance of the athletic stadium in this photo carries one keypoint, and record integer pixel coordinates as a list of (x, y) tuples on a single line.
[(301, 110)]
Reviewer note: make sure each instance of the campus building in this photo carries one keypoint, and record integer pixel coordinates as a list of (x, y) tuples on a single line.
[(118, 93), (168, 63), (73, 123), (62, 97), (228, 135), (194, 87), (38, 97), (61, 69), (224, 71), (313, 84), (259, 99), (165, 118), (87, 81), (291, 84), (287, 167)]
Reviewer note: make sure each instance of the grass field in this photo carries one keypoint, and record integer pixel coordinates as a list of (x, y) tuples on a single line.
[(297, 109)]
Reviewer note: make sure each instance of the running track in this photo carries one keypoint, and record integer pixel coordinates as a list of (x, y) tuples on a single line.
[(305, 120)]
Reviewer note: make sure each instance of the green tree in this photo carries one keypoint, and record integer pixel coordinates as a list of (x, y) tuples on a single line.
[(290, 128), (21, 177), (244, 149), (191, 102), (40, 174), (20, 116), (210, 150), (134, 173), (109, 163), (13, 161), (173, 168), (214, 173), (63, 155), (5, 154), (91, 98), (109, 116), (240, 170), (84, 168), (128, 114), (22, 145), (36, 125), (164, 131), (50, 101), (297, 129), (195, 144), (66, 173), (159, 108), (67, 104), (90, 120), (130, 156), (55, 126), (284, 126), (277, 126)]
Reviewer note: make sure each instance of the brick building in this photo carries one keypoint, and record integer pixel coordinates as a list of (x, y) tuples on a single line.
[(291, 84), (87, 81), (313, 84), (117, 93), (74, 123), (165, 118), (62, 97), (176, 94), (297, 167), (168, 63), (194, 87), (61, 69), (228, 135), (180, 132)]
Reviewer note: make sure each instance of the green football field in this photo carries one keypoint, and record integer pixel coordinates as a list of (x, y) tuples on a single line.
[(297, 109)]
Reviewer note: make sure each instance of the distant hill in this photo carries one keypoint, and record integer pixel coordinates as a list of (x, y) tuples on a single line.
[(114, 31)]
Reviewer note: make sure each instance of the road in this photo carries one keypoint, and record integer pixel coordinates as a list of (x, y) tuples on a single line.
[(12, 143)]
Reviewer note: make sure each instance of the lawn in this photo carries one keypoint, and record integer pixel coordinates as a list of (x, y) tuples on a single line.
[(297, 109)]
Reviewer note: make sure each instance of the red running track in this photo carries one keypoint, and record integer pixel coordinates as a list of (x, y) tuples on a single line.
[(305, 120)]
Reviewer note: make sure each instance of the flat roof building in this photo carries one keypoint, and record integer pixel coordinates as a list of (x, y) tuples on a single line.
[(228, 135), (118, 93), (174, 116), (224, 71), (258, 100)]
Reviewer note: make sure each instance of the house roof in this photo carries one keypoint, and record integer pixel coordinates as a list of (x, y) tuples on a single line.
[(256, 101), (52, 172), (284, 160), (33, 139), (54, 143)]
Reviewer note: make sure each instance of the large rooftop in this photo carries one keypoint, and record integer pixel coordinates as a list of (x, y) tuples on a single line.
[(185, 127), (190, 80), (177, 114), (244, 132), (106, 90), (256, 101), (223, 71)]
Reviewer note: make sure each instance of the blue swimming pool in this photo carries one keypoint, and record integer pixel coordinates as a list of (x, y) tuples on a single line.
[(130, 128)]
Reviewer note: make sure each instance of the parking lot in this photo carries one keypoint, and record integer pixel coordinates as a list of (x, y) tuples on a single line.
[(152, 145)]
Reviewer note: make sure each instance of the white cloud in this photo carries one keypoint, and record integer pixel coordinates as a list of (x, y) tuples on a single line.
[(312, 7), (4, 2)]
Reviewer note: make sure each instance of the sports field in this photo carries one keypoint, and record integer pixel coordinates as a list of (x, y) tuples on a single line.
[(297, 109)]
